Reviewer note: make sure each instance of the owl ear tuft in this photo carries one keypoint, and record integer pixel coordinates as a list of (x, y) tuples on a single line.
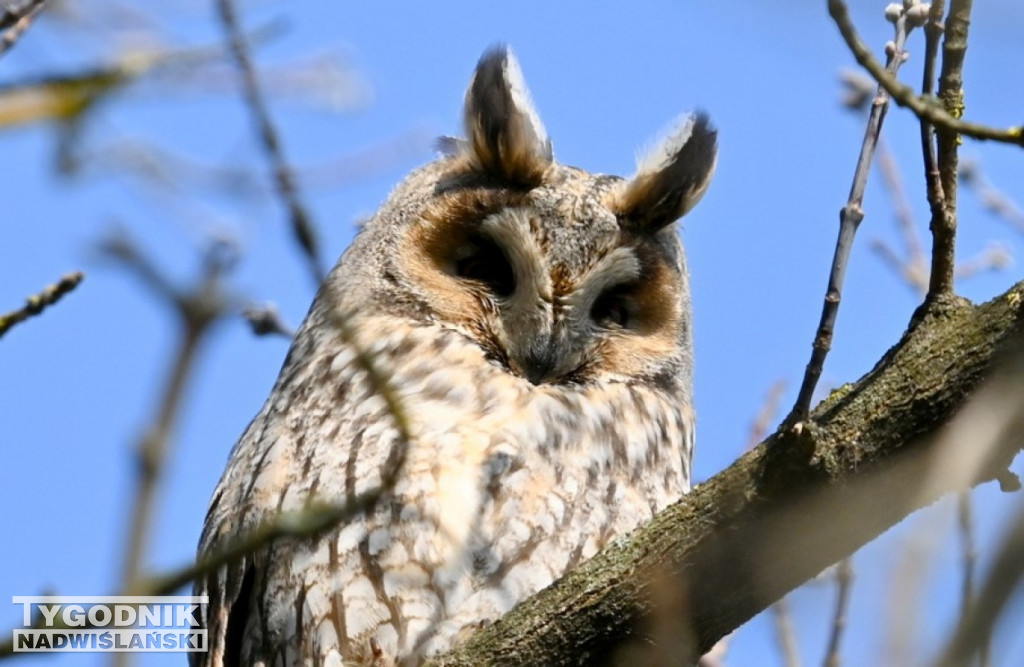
[(671, 177), (505, 135)]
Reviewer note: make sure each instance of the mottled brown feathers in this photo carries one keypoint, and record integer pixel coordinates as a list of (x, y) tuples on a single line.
[(533, 321), (671, 178), (506, 137)]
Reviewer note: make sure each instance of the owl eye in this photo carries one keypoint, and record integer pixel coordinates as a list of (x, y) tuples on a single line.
[(483, 261), (612, 310)]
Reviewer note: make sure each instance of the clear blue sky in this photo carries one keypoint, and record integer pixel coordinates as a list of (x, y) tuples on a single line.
[(79, 383)]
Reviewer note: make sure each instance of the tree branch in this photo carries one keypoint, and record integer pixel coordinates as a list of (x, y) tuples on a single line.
[(850, 217), (284, 175), (924, 108), (37, 303), (14, 21), (943, 223), (799, 502)]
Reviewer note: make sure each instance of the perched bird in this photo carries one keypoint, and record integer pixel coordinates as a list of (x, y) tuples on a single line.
[(497, 373)]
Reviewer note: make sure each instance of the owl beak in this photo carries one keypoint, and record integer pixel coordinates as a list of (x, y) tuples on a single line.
[(538, 368)]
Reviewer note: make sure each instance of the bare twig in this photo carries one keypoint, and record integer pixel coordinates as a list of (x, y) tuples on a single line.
[(933, 29), (764, 417), (785, 634), (975, 628), (66, 96), (844, 578), (197, 310), (14, 21), (312, 519), (287, 190), (969, 555), (913, 270), (994, 258), (903, 95), (849, 219), (995, 201), (943, 224), (266, 321), (37, 303)]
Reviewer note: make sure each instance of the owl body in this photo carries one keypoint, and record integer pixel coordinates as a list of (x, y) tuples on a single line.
[(531, 324)]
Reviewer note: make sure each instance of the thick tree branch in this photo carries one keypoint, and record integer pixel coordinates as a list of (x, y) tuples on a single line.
[(799, 502)]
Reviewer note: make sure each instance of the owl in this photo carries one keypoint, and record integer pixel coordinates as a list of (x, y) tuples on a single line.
[(497, 375)]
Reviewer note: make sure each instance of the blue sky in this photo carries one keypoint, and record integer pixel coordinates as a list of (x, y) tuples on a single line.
[(79, 384)]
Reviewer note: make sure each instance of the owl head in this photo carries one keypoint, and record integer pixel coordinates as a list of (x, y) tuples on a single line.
[(560, 276)]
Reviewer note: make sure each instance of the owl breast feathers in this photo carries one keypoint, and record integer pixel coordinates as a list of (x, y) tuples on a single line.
[(531, 324)]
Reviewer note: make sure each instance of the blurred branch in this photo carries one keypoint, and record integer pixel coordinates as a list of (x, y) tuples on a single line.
[(785, 634), (844, 579), (14, 21), (301, 222), (65, 97), (969, 556), (197, 311), (914, 269), (994, 200), (903, 95), (766, 415), (311, 520), (975, 628), (37, 303), (154, 164), (266, 321), (850, 216)]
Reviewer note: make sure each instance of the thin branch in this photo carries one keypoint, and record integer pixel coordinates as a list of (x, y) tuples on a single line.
[(311, 520), (762, 423), (265, 320), (904, 96), (893, 183), (975, 628), (933, 29), (969, 556), (15, 21), (785, 634), (844, 579), (994, 258), (37, 303), (998, 203), (943, 224), (67, 96), (197, 310), (849, 219), (284, 178)]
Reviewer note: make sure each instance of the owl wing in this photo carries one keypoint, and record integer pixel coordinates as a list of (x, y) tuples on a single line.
[(323, 435)]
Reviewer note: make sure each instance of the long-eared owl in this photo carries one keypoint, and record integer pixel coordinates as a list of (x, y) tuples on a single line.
[(497, 372)]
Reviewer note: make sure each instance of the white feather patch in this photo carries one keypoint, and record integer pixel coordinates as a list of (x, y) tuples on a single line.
[(521, 97), (659, 154)]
